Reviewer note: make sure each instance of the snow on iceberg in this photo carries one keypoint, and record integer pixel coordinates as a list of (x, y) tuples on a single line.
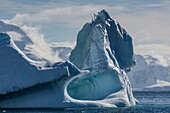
[(103, 33), (31, 84), (18, 72), (104, 51)]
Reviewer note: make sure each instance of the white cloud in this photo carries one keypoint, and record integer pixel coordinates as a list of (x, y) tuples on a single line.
[(154, 5), (72, 15), (153, 49), (149, 28), (39, 47), (63, 44), (18, 19), (33, 43), (158, 51)]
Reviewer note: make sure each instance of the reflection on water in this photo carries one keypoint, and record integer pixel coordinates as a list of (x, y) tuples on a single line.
[(153, 97), (149, 102)]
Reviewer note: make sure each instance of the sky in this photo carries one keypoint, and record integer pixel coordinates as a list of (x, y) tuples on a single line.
[(147, 21)]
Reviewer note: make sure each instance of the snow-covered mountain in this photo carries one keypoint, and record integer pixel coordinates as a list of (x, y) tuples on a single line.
[(149, 70)]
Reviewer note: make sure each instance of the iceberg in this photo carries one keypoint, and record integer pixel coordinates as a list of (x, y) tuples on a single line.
[(105, 49), (103, 32), (18, 71), (95, 76)]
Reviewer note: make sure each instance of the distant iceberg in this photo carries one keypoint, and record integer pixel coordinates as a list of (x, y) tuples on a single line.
[(94, 77)]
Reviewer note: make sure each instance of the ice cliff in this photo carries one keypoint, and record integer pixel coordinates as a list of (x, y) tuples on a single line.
[(107, 34), (105, 49), (18, 72), (103, 53)]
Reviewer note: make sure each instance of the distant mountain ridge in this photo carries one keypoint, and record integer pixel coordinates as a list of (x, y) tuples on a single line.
[(148, 71)]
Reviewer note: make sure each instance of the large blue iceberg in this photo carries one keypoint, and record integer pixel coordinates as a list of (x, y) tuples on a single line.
[(95, 76), (105, 49)]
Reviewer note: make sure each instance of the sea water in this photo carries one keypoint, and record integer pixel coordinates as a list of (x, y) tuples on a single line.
[(149, 102)]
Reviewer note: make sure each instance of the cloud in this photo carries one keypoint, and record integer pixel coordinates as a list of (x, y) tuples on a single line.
[(31, 41), (150, 31), (39, 47), (154, 5), (147, 28), (68, 44), (153, 49), (18, 19), (147, 22), (72, 15), (158, 51)]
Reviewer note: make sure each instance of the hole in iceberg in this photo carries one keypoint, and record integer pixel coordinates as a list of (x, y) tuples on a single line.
[(94, 86)]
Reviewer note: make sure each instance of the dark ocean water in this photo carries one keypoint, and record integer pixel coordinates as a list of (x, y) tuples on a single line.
[(149, 102)]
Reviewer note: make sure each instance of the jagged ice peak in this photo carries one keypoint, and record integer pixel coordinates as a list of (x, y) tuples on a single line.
[(114, 36)]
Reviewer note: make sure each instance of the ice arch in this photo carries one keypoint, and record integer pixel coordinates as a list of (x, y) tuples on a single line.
[(93, 86)]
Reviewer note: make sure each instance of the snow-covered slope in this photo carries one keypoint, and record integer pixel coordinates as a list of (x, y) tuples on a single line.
[(149, 70), (105, 49)]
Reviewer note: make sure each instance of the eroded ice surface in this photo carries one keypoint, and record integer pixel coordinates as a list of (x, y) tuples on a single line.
[(103, 52), (105, 49), (94, 86), (18, 72)]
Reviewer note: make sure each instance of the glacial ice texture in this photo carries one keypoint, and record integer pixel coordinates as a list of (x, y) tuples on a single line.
[(104, 51)]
